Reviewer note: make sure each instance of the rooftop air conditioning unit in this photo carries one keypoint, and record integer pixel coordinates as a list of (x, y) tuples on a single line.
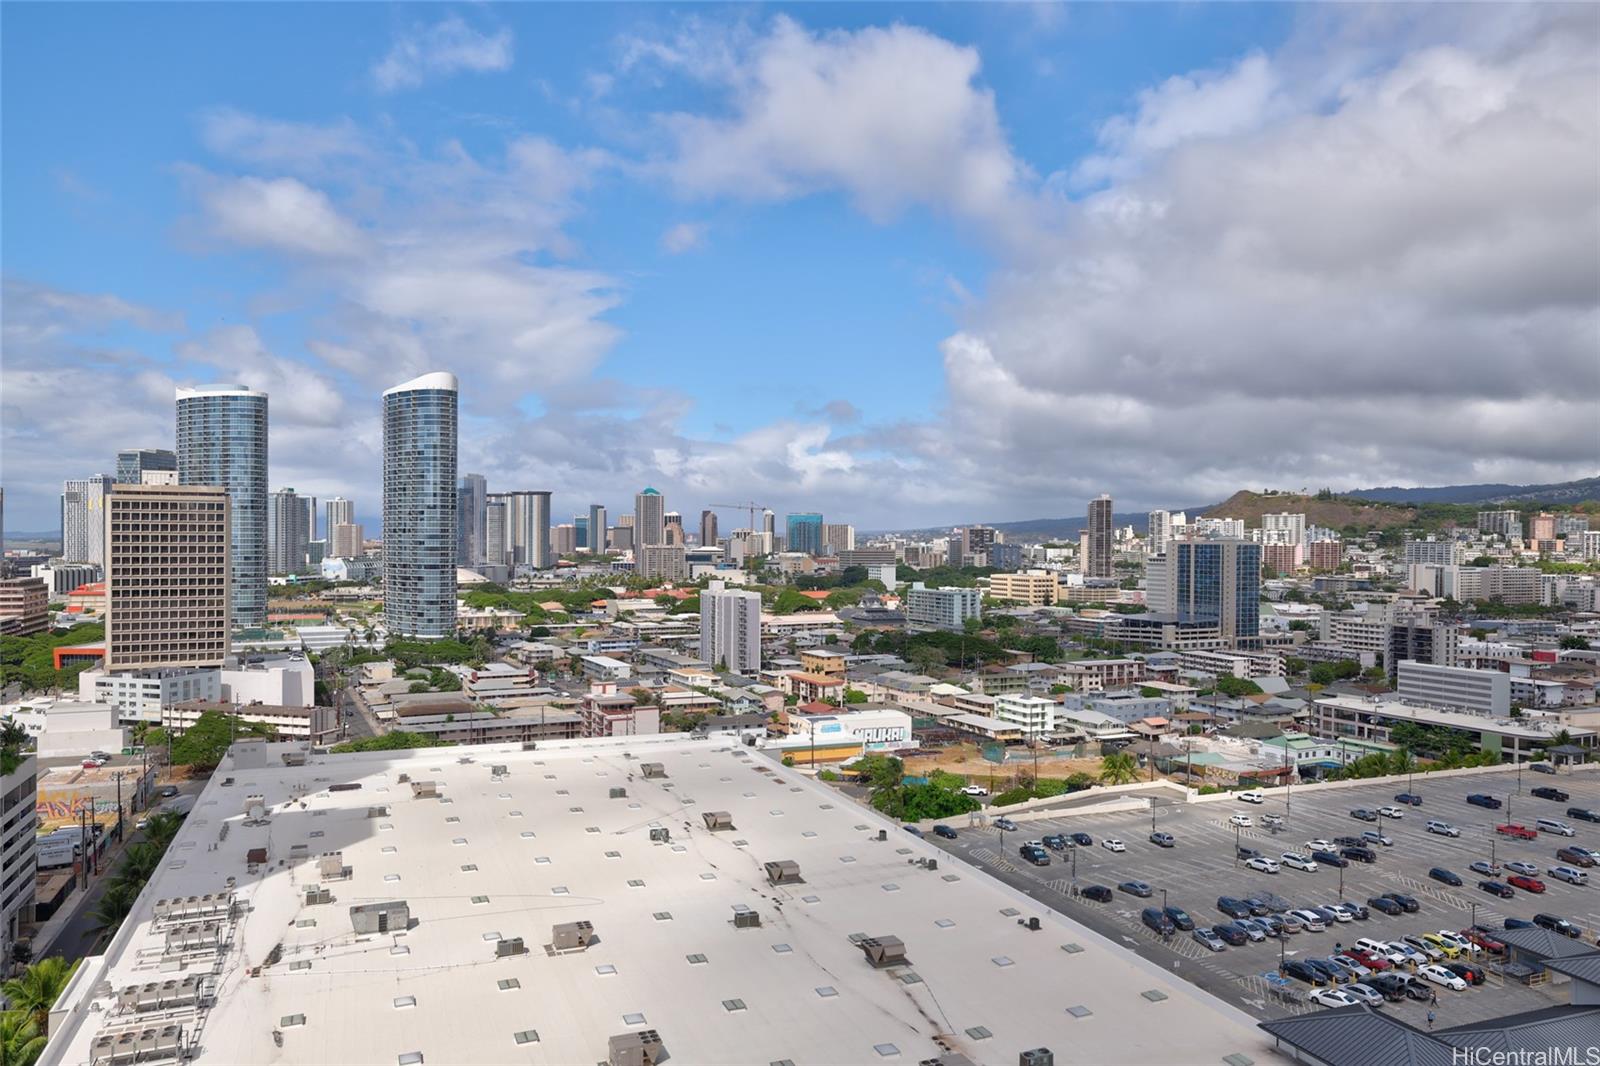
[(783, 872), (949, 1058), (424, 790), (331, 864), (567, 936), (747, 919), (884, 951), (377, 812), (315, 895), (498, 770), (717, 820), (641, 1048), (1039, 1056), (504, 949), (661, 834), (619, 793), (653, 769), (253, 801), (391, 916)]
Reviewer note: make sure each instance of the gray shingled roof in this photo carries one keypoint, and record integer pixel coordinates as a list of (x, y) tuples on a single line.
[(1359, 1036)]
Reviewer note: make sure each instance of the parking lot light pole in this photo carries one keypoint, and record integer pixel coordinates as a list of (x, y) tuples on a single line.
[(1341, 882), (1236, 846)]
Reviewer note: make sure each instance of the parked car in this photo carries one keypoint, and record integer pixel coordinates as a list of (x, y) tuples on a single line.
[(1391, 812), (1386, 905), (1447, 946), (1548, 793), (1359, 854), (1264, 864), (1392, 987), (1083, 840), (1583, 814), (1233, 908), (1264, 925), (1541, 768), (1272, 821), (1354, 965), (1427, 950), (1233, 934), (1557, 925), (1352, 841), (1287, 922), (1554, 825), (1479, 799), (1520, 832), (1241, 820), (1097, 893), (167, 791), (1408, 902), (1162, 840), (913, 830), (1208, 938), (1035, 854), (944, 831), (1444, 829), (1409, 798), (1257, 905), (1497, 888), (1301, 972), (1247, 853), (1251, 930), (1413, 956), (1527, 884), (1336, 975), (1311, 921), (1364, 814), (1319, 845), (1154, 919), (1113, 844), (1252, 796), (1332, 997), (1441, 976), (1136, 888), (1056, 842), (1484, 866), (1527, 868), (1461, 943), (1005, 823), (1370, 959), (1472, 975), (1180, 918), (1571, 875), (974, 790), (1330, 858), (1362, 992), (1296, 861), (1356, 910), (1374, 836), (1443, 876), (1576, 856), (1483, 938)]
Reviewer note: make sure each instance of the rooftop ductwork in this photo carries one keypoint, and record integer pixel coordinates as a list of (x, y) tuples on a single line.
[(717, 820), (424, 790), (652, 770), (783, 872), (392, 916), (571, 936), (642, 1048), (885, 951)]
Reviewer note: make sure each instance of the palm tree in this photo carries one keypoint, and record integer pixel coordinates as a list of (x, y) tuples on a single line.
[(139, 862), (115, 904), (36, 991), (1118, 768), (162, 827), (20, 1042)]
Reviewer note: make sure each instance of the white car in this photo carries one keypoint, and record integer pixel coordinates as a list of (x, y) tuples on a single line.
[(1364, 993), (1113, 844), (1241, 820), (1441, 976), (1332, 997), (1444, 829), (1320, 845), (1340, 911), (1391, 812), (1411, 954), (1310, 920), (1299, 862), (1262, 863), (1466, 946), (974, 790), (1252, 797)]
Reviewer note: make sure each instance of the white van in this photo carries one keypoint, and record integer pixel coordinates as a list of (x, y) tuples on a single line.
[(1553, 825), (1253, 796)]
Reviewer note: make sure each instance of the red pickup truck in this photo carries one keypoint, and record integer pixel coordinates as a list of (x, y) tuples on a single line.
[(1521, 832)]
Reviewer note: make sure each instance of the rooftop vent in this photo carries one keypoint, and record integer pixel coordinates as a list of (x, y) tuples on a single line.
[(884, 951), (497, 770), (619, 793), (746, 919), (716, 820), (388, 917), (571, 936), (424, 790), (643, 1048), (505, 949), (661, 834), (1039, 1056), (653, 770), (783, 872)]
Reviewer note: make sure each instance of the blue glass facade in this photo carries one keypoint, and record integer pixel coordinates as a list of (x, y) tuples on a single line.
[(580, 531), (803, 533), (222, 442), (1220, 581), (419, 507)]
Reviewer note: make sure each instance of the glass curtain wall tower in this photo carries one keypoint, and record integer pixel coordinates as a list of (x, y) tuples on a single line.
[(222, 442), (419, 507)]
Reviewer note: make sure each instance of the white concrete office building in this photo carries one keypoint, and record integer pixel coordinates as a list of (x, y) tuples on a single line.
[(1482, 691)]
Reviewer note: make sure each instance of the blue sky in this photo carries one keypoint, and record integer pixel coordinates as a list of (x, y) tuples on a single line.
[(902, 264)]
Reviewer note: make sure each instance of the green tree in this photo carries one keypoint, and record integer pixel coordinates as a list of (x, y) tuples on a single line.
[(20, 1040), (1119, 768), (203, 744), (114, 905), (37, 988), (854, 695), (398, 740), (1573, 642), (1235, 687)]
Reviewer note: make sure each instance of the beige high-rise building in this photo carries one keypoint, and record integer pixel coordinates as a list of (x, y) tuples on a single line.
[(168, 585), (348, 541)]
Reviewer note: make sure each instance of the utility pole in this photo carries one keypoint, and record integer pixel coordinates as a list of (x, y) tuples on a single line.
[(120, 832)]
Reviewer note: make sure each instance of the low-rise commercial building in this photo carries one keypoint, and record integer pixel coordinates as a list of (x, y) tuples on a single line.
[(1513, 739), (1483, 691), (316, 725)]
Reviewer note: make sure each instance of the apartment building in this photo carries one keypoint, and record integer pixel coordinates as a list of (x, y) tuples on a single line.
[(1036, 588), (942, 608), (1034, 715)]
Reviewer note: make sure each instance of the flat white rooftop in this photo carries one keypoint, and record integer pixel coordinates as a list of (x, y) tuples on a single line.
[(495, 856)]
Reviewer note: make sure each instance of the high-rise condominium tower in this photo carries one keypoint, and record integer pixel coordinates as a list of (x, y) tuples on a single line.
[(803, 533), (528, 528), (132, 463), (83, 519), (597, 528), (287, 529), (419, 507), (222, 442), (1100, 538), (471, 533), (730, 629), (167, 576), (649, 519), (340, 512), (1159, 533), (708, 529)]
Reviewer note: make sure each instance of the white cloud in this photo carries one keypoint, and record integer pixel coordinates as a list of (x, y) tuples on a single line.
[(299, 147), (283, 214), (439, 50), (684, 237)]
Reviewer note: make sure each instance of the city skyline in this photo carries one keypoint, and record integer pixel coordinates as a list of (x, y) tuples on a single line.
[(1039, 293)]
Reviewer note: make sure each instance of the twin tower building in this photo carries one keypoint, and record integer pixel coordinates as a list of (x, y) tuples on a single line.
[(188, 563)]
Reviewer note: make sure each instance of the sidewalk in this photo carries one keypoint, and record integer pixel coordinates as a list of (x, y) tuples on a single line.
[(44, 936)]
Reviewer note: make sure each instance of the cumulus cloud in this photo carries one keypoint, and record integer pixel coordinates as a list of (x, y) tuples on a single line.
[(683, 237), (278, 213), (439, 50)]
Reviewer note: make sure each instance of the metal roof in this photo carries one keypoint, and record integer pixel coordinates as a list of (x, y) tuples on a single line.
[(1539, 1030), (1359, 1036), (1540, 941), (1583, 967)]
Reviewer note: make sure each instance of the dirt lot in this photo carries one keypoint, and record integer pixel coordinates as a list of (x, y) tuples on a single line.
[(967, 760)]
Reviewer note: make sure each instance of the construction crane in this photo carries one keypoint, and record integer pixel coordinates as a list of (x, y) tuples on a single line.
[(746, 506)]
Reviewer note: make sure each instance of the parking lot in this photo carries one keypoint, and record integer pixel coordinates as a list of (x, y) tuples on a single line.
[(1203, 866)]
